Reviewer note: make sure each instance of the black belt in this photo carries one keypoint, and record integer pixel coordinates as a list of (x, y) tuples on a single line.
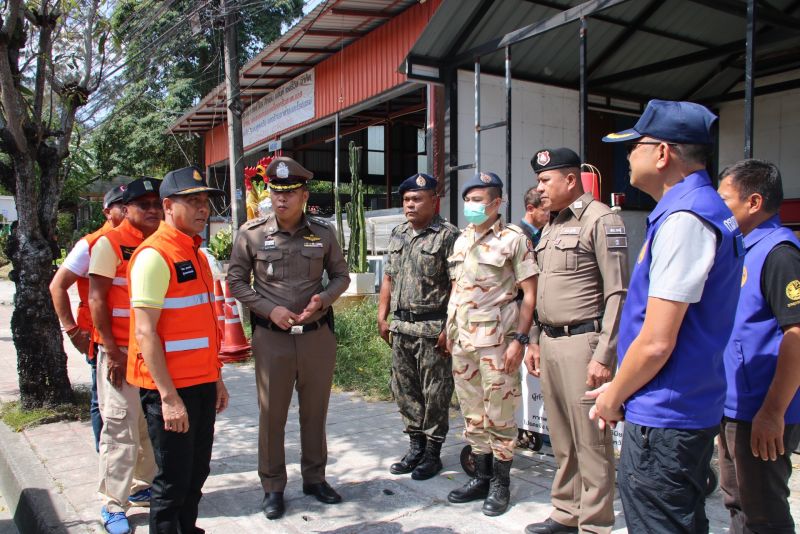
[(294, 329), (409, 317), (572, 329)]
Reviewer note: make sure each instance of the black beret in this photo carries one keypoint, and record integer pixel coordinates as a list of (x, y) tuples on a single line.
[(482, 179), (417, 182), (554, 158)]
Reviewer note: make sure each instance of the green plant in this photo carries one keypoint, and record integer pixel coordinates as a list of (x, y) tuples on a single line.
[(221, 243), (357, 247), (363, 359), (18, 418)]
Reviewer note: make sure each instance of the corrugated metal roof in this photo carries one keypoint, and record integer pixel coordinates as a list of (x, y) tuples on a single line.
[(688, 49), (328, 28)]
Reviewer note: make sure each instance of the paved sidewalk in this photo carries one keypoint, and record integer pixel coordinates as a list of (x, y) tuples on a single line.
[(364, 438)]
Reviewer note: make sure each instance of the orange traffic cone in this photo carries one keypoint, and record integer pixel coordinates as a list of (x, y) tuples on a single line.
[(234, 345), (219, 306)]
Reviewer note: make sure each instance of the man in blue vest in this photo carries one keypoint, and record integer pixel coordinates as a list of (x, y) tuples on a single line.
[(761, 426), (670, 386)]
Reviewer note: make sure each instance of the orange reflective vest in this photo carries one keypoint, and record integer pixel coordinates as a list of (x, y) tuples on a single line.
[(187, 326), (124, 239), (84, 319)]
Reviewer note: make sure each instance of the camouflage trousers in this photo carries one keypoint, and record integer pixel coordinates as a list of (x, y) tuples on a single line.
[(422, 383), (489, 397)]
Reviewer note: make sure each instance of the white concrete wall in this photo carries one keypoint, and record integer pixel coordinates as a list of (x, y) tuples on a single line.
[(542, 116), (8, 208), (776, 133)]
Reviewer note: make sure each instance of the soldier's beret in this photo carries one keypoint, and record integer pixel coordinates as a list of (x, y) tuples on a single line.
[(554, 158), (285, 174), (417, 182), (482, 179)]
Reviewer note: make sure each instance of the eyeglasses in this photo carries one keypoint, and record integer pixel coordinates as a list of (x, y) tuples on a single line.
[(152, 205), (632, 146)]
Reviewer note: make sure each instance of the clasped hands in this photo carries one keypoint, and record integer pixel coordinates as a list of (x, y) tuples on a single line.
[(285, 319)]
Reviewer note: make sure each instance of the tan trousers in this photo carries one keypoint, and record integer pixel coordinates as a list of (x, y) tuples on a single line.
[(127, 464), (583, 487), (285, 362)]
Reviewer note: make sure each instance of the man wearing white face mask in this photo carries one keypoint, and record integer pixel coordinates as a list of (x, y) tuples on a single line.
[(486, 335)]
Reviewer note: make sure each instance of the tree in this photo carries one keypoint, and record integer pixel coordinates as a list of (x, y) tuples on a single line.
[(52, 58)]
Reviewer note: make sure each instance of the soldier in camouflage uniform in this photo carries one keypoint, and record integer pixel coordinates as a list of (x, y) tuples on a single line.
[(486, 335), (415, 289)]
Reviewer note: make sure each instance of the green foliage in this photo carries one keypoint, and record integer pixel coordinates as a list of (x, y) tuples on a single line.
[(18, 419), (64, 229), (363, 359), (357, 247), (221, 244)]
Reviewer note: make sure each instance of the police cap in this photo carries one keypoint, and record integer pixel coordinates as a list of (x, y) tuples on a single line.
[(140, 187), (186, 181), (417, 182), (482, 179), (674, 122), (285, 174), (554, 158)]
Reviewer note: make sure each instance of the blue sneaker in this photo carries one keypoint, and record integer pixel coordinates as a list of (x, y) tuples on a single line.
[(140, 498), (115, 522)]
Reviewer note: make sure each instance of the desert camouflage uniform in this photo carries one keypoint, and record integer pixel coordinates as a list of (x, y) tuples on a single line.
[(422, 380), (481, 314)]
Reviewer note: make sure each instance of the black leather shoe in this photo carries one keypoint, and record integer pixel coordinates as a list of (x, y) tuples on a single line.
[(323, 492), (273, 505), (550, 526)]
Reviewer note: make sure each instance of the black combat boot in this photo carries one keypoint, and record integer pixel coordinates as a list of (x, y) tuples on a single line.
[(496, 502), (478, 487), (412, 458), (431, 462)]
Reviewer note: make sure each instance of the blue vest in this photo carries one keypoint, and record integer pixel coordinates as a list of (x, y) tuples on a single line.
[(689, 391), (751, 355)]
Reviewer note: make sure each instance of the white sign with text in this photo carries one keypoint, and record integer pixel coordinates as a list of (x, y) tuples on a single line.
[(288, 105)]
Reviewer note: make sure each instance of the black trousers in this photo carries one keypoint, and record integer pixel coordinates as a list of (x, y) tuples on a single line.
[(183, 460), (756, 492), (662, 479)]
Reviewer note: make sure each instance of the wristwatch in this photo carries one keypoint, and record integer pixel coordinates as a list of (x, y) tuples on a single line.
[(522, 338)]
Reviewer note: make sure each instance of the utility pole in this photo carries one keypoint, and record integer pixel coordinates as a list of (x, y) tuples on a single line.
[(234, 110)]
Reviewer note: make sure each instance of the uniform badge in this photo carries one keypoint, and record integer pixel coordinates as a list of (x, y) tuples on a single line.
[(485, 178), (148, 186), (793, 290), (643, 252), (543, 158), (196, 176), (312, 237), (314, 244), (184, 271), (744, 276), (282, 171), (578, 204), (421, 181)]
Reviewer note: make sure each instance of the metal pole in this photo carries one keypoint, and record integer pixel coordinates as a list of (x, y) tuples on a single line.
[(584, 98), (508, 133), (234, 105), (477, 115), (336, 153), (749, 79)]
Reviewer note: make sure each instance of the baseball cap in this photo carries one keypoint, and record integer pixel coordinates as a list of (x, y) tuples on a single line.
[(139, 188), (186, 181), (668, 120), (113, 195)]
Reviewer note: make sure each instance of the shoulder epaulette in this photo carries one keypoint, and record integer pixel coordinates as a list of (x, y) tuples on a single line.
[(515, 228), (253, 222), (320, 222)]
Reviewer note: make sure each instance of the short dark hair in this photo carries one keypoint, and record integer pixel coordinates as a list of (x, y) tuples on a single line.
[(494, 192), (699, 154), (757, 176), (533, 198)]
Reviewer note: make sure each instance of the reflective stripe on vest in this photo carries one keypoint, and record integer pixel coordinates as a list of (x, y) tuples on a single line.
[(121, 312), (186, 344), (176, 303), (120, 281), (123, 238)]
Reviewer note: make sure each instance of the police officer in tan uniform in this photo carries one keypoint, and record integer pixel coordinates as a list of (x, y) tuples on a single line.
[(293, 341), (583, 263)]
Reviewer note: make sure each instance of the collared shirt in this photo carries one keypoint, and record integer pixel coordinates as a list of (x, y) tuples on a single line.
[(417, 264), (287, 267), (533, 233), (583, 259), (487, 269)]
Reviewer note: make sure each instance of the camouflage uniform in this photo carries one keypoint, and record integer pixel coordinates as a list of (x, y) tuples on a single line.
[(480, 317), (422, 380)]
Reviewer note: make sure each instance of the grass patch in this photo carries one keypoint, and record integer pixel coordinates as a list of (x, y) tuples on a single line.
[(363, 359), (19, 419)]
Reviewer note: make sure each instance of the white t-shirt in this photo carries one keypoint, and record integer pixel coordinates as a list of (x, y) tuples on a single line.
[(77, 260), (683, 252)]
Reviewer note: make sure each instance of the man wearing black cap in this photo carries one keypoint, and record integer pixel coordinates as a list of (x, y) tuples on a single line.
[(583, 259), (75, 269), (415, 289), (126, 456), (677, 319), (174, 355), (293, 341), (486, 334)]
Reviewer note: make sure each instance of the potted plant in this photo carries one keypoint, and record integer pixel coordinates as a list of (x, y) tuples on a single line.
[(361, 280), (220, 246)]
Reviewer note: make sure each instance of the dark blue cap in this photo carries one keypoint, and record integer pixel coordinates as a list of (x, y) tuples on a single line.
[(114, 195), (417, 182), (186, 181), (482, 179), (674, 122), (141, 187)]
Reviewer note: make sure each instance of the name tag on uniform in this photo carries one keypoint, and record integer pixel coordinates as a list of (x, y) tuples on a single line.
[(314, 244), (617, 242), (615, 230), (185, 271), (269, 244), (127, 252), (571, 230)]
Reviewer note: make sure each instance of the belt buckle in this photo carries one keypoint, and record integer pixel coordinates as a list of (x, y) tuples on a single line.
[(296, 329)]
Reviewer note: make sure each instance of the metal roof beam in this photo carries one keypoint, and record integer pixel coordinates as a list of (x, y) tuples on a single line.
[(470, 25), (287, 64), (561, 19), (335, 33), (624, 23), (309, 49), (759, 91), (615, 45), (766, 13), (267, 76), (360, 13)]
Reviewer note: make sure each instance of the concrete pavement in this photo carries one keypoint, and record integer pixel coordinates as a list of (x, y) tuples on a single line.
[(364, 438)]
